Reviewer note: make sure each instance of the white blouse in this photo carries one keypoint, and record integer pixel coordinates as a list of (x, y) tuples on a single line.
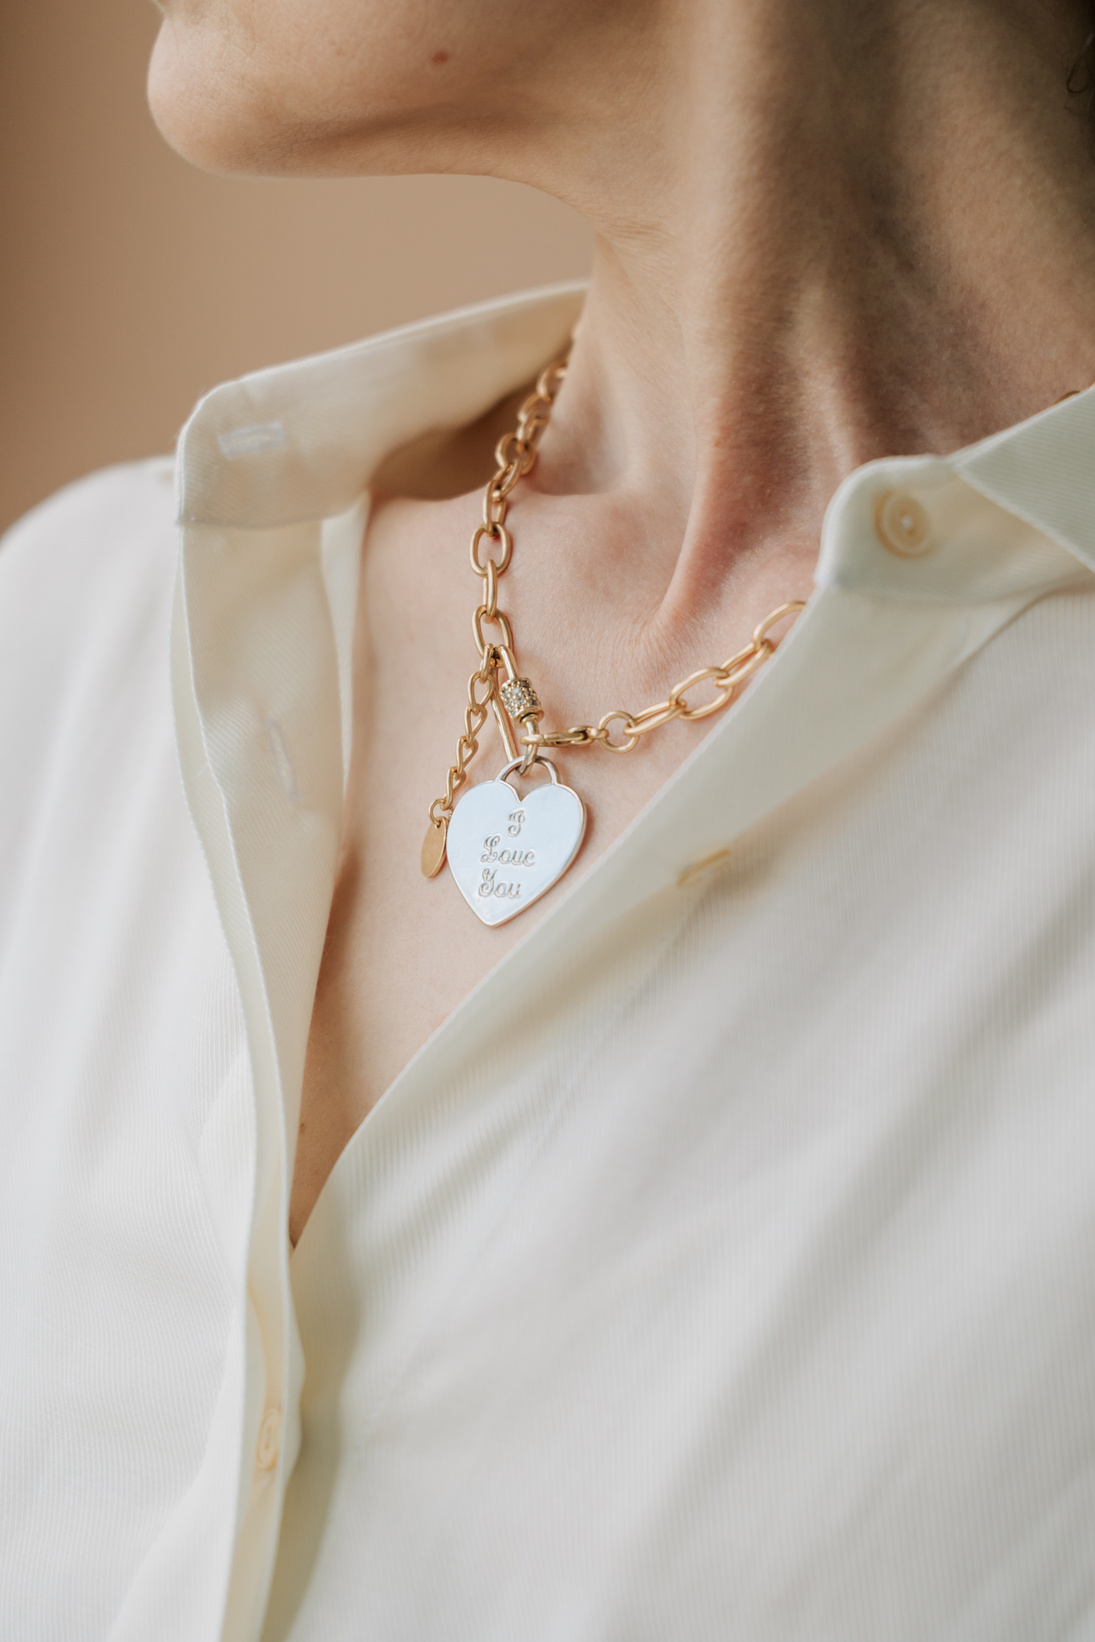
[(724, 1267)]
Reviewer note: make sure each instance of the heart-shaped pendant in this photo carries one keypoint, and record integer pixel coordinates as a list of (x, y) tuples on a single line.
[(505, 851)]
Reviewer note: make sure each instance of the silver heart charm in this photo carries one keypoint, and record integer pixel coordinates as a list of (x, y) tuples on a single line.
[(505, 851)]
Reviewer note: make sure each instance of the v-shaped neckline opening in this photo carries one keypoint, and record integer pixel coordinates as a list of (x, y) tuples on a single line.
[(585, 883)]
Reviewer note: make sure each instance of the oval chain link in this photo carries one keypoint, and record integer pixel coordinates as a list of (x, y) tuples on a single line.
[(725, 679), (515, 455)]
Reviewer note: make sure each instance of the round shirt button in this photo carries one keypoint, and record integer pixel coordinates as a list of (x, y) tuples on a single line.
[(269, 1443), (902, 524)]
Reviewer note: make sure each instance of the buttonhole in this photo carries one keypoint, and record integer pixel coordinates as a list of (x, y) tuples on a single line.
[(283, 764), (252, 440), (700, 869)]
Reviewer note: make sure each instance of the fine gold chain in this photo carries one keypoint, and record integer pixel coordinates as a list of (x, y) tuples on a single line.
[(515, 703)]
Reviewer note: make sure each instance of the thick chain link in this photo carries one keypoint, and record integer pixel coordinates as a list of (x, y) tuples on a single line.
[(725, 680), (515, 455)]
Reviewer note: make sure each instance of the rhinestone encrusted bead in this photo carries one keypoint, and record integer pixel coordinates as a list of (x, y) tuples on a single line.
[(519, 698)]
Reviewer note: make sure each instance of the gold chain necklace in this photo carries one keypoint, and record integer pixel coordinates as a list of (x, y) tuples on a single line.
[(504, 851)]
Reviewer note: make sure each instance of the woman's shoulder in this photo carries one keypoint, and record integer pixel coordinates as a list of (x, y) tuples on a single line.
[(83, 568), (86, 582), (122, 512)]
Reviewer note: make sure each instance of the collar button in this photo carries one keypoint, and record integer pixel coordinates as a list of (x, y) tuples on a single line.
[(902, 524)]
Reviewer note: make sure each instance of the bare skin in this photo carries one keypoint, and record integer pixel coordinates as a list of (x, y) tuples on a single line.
[(827, 231)]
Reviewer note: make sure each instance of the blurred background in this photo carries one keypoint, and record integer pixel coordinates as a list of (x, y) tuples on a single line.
[(130, 283)]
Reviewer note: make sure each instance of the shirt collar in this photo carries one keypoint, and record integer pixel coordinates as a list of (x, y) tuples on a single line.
[(266, 460), (302, 441)]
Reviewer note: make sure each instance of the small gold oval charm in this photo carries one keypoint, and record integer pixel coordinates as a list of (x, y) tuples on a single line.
[(433, 848)]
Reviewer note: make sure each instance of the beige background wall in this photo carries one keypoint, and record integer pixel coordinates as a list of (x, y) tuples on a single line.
[(129, 282)]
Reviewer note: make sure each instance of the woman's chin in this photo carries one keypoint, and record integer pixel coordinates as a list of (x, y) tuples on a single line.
[(204, 107)]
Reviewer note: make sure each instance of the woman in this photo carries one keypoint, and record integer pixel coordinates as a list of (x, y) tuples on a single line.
[(718, 1261)]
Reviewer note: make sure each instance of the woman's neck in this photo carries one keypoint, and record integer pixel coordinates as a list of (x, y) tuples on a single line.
[(829, 230)]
